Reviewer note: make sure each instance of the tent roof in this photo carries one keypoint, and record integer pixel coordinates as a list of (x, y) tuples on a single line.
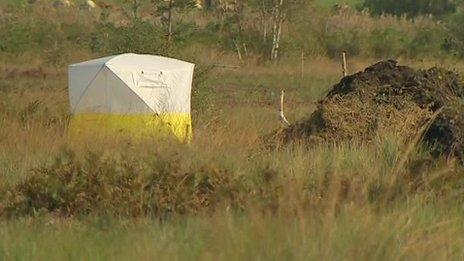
[(95, 62), (107, 84), (137, 61)]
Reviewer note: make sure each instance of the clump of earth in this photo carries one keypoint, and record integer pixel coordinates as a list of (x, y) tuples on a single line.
[(388, 98)]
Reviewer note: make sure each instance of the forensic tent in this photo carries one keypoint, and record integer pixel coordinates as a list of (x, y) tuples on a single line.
[(138, 95)]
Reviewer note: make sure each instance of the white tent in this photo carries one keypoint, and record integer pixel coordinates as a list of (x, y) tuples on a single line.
[(132, 85)]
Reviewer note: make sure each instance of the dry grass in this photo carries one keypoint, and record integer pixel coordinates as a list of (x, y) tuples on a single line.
[(294, 203), (224, 196)]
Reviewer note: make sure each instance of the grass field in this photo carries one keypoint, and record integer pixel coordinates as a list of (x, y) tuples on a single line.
[(227, 195), (412, 231), (323, 202)]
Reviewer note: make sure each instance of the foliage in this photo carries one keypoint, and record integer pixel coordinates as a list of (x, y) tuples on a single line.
[(139, 37), (202, 94), (411, 7), (126, 187), (162, 7), (454, 42), (244, 30)]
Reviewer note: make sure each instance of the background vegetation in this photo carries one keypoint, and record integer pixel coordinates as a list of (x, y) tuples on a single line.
[(225, 196), (53, 31)]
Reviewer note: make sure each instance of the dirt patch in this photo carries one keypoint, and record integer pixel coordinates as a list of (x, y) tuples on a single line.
[(389, 98)]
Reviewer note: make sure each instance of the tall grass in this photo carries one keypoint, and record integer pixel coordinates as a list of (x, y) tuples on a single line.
[(322, 203), (410, 232)]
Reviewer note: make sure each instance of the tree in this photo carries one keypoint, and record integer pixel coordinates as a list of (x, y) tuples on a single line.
[(230, 15), (244, 23), (130, 8), (273, 14), (166, 8), (135, 8), (278, 17)]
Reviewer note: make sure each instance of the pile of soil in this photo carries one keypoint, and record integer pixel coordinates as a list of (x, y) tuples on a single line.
[(388, 98)]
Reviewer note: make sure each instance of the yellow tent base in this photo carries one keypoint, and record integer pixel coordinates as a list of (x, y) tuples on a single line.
[(177, 125)]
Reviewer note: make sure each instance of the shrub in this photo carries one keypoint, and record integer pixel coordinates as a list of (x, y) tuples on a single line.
[(411, 7), (427, 42), (51, 33), (202, 93), (126, 187), (386, 36), (16, 37), (454, 42), (350, 41), (139, 37)]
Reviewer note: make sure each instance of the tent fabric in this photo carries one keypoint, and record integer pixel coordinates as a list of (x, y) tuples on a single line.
[(84, 126), (153, 89)]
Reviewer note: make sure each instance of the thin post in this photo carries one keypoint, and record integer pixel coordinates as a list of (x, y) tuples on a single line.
[(238, 51), (281, 111), (170, 6), (245, 49), (344, 67), (302, 65)]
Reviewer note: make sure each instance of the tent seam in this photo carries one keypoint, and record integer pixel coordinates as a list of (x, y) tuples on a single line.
[(138, 96)]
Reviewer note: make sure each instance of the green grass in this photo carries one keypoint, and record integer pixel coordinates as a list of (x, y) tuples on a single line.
[(414, 230)]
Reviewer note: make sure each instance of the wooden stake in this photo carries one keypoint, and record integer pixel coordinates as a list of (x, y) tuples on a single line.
[(281, 111), (344, 67), (302, 65), (238, 51), (245, 49)]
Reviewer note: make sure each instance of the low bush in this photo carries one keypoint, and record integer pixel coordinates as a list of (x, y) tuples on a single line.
[(164, 186), (124, 187)]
